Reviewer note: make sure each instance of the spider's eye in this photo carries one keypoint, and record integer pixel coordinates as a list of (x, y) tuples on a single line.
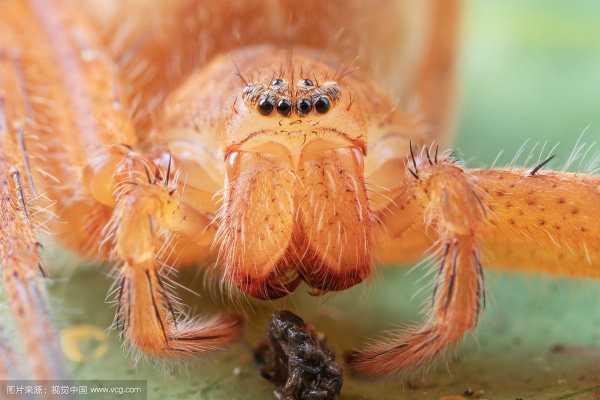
[(277, 82), (284, 107), (265, 106), (322, 105), (307, 82), (304, 106)]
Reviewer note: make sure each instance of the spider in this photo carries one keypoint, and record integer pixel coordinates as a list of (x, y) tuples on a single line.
[(282, 142)]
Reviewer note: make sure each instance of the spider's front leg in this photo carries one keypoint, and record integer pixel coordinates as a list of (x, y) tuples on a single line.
[(64, 102), (537, 220), (20, 213), (8, 361), (22, 277)]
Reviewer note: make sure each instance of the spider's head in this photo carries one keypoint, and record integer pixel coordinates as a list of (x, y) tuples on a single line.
[(299, 101)]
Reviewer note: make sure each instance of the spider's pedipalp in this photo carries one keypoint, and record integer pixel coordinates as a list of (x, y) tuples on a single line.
[(457, 300), (150, 320), (147, 313), (451, 204)]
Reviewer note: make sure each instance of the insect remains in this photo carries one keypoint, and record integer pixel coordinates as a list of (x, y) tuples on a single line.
[(296, 357)]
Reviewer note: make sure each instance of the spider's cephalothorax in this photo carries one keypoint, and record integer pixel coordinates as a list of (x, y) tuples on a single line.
[(295, 202)]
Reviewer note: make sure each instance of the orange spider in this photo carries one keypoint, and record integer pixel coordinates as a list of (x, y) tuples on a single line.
[(317, 122)]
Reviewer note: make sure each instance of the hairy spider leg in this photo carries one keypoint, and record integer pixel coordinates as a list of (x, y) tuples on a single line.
[(22, 273), (433, 85), (8, 361), (111, 201), (534, 219)]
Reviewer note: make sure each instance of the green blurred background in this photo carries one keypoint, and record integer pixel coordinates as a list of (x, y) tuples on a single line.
[(530, 70)]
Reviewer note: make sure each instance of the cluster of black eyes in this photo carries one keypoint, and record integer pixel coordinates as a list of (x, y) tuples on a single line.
[(266, 105), (284, 106)]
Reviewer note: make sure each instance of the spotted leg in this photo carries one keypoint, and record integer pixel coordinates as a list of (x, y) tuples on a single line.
[(531, 218), (433, 85), (84, 156), (22, 273), (22, 276)]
